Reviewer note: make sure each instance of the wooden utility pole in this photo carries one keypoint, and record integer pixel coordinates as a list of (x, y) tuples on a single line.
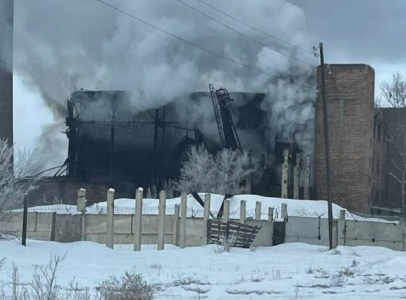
[(326, 147), (25, 218)]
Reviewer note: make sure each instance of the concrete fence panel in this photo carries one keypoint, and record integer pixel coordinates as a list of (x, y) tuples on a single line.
[(363, 233), (39, 225), (265, 234), (67, 228), (307, 230), (195, 235)]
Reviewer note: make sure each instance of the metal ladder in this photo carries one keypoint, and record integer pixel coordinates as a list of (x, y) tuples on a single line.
[(217, 114)]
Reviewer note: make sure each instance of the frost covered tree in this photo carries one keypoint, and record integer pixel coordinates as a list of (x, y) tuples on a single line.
[(12, 185), (394, 92), (220, 174)]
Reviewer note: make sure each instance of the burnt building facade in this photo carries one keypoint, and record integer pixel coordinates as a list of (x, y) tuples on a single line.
[(114, 143)]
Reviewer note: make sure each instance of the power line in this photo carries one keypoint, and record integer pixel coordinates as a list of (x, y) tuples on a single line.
[(186, 41), (191, 43), (243, 34), (256, 29)]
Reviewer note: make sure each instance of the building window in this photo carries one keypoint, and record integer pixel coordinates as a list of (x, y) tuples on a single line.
[(373, 165), (379, 131), (378, 167), (377, 198)]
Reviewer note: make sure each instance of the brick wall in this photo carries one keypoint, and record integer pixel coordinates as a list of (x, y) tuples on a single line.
[(62, 190), (350, 96)]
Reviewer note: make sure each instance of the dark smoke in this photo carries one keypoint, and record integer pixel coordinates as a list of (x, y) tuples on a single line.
[(62, 46)]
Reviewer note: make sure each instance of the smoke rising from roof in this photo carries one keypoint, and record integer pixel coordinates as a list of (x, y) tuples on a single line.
[(61, 46)]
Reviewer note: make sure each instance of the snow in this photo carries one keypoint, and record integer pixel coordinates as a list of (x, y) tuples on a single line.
[(299, 208), (288, 271)]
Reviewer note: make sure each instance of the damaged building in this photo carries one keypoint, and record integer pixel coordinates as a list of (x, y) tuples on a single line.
[(111, 144), (114, 143)]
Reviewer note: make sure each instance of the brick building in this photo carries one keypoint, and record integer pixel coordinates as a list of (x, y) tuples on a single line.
[(350, 96), (366, 143), (390, 135)]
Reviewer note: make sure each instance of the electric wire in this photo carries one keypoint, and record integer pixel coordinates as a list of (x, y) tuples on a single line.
[(256, 29), (189, 42), (243, 34)]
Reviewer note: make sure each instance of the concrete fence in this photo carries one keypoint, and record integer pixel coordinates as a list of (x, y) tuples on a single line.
[(183, 231)]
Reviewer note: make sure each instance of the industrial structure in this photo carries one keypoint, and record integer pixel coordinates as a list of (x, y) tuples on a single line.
[(113, 144)]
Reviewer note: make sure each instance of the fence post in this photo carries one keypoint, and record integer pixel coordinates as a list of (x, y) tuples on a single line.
[(162, 212), (258, 211), (137, 229), (270, 214), (285, 174), (175, 237), (343, 213), (226, 210), (110, 219), (284, 211), (243, 211), (335, 233), (81, 206), (25, 221), (206, 216), (183, 215)]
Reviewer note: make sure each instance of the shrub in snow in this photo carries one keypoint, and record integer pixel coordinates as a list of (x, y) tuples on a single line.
[(225, 243), (221, 173), (130, 286)]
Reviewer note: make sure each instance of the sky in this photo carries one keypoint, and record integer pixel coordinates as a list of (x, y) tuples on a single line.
[(352, 32)]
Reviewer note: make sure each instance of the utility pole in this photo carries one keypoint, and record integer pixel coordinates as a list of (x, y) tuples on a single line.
[(326, 146), (25, 218)]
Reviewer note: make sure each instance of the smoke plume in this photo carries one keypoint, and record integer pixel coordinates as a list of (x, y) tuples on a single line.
[(61, 46)]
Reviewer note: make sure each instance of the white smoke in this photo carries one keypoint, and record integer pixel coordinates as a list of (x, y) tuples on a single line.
[(62, 46)]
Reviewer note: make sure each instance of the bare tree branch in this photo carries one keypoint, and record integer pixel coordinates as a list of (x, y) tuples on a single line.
[(394, 92), (395, 177), (12, 186)]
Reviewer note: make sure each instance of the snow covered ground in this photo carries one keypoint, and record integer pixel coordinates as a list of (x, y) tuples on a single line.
[(289, 271), (300, 208)]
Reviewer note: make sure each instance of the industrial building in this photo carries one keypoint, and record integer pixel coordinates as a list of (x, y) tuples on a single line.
[(112, 144)]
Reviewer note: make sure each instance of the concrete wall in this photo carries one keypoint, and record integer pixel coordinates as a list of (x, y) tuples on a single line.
[(350, 233), (387, 235), (66, 228), (306, 230), (265, 234), (39, 226)]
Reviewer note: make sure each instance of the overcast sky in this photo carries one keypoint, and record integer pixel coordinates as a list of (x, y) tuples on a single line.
[(362, 31)]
